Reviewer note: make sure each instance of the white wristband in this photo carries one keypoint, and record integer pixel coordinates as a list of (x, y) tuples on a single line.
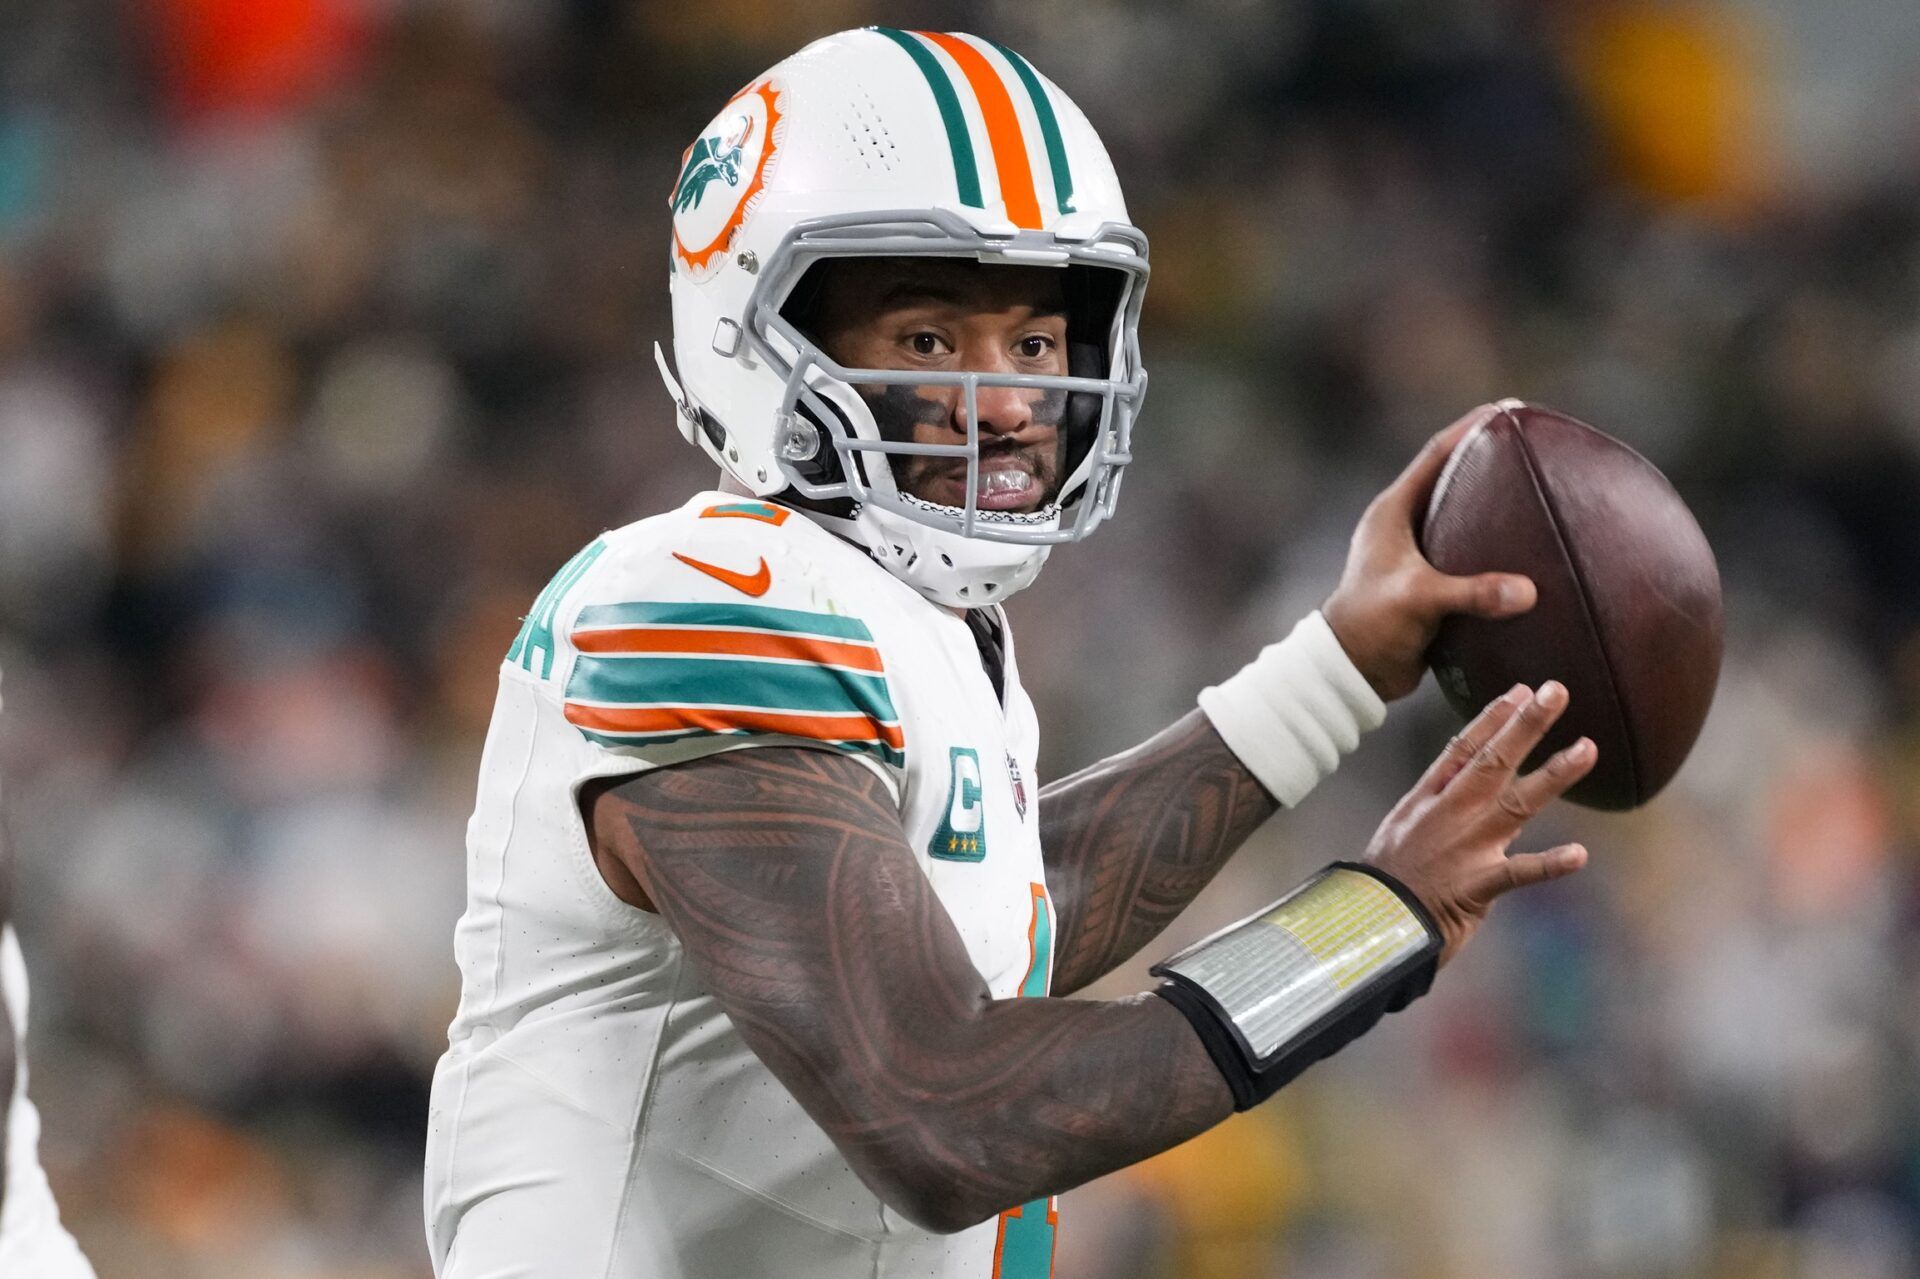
[(1292, 712)]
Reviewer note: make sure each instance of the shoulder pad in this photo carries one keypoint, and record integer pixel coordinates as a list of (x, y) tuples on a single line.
[(714, 623)]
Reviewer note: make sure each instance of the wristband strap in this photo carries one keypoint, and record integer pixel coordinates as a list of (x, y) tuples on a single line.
[(1300, 980), (1291, 713)]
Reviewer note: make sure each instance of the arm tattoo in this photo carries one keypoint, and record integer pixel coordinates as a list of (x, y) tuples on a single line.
[(1130, 841), (789, 882)]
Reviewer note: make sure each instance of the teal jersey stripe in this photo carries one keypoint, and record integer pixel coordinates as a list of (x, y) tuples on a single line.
[(966, 172), (879, 750), (792, 621), (1036, 983), (798, 687), (1027, 1237), (1049, 127), (1026, 1243)]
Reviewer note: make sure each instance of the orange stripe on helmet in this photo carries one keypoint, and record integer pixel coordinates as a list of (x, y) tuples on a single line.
[(1003, 128), (723, 719), (681, 639)]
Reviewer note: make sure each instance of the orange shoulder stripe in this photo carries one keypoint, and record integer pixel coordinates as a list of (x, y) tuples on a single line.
[(687, 639), (712, 719)]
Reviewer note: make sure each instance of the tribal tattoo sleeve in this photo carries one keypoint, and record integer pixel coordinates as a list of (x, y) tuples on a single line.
[(1131, 840), (787, 878)]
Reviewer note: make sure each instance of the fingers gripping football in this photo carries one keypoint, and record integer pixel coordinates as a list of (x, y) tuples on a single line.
[(1390, 601), (1491, 595), (1447, 840), (1409, 490)]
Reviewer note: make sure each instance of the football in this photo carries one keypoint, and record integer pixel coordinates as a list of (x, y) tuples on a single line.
[(1629, 613)]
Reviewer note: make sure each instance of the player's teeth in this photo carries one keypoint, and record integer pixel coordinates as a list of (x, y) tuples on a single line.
[(1007, 481)]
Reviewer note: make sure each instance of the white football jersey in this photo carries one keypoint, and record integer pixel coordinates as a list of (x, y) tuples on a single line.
[(32, 1240), (596, 1115)]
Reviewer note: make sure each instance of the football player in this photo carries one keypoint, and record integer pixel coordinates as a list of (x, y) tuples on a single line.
[(32, 1240), (765, 929)]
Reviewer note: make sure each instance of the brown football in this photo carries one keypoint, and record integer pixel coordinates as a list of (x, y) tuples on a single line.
[(1629, 612)]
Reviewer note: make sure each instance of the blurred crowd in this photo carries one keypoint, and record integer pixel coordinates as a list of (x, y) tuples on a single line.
[(324, 340)]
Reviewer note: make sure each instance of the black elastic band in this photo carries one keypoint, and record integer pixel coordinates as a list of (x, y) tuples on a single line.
[(1217, 1040), (1253, 1081)]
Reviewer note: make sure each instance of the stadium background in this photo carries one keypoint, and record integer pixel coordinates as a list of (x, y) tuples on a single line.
[(324, 332)]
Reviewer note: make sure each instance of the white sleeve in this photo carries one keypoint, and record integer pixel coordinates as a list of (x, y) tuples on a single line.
[(657, 660), (1294, 710)]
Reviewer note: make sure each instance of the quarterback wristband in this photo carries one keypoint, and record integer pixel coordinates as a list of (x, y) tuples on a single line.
[(1291, 713), (1302, 979)]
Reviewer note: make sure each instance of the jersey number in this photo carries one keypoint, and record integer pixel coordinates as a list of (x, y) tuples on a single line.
[(1024, 1249), (534, 645)]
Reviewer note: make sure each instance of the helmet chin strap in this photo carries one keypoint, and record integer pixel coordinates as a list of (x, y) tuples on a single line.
[(681, 401)]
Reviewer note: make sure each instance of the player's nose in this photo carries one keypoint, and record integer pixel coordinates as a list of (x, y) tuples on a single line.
[(1003, 410)]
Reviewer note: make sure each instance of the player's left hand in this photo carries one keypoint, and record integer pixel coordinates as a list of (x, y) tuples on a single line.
[(1390, 600)]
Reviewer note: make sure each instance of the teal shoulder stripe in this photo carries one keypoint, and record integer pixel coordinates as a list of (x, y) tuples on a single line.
[(617, 741), (793, 621), (535, 641), (966, 173), (1049, 126), (723, 681)]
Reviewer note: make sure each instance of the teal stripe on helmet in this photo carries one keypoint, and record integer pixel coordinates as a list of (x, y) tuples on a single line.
[(788, 687), (966, 172), (758, 616), (1049, 127)]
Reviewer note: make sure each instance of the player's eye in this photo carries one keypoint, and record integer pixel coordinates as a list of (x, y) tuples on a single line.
[(1035, 345), (925, 343)]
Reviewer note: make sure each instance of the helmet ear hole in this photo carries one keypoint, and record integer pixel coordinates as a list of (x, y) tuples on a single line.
[(801, 309), (824, 467)]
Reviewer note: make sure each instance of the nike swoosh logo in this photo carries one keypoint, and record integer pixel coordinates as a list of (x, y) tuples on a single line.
[(755, 584)]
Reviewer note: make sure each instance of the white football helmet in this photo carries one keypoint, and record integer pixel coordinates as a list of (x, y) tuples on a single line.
[(900, 143)]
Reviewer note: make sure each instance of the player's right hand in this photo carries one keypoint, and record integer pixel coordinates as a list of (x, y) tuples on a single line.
[(1447, 839), (1390, 601)]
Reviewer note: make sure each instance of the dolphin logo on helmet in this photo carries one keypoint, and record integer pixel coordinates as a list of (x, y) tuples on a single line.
[(708, 160)]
